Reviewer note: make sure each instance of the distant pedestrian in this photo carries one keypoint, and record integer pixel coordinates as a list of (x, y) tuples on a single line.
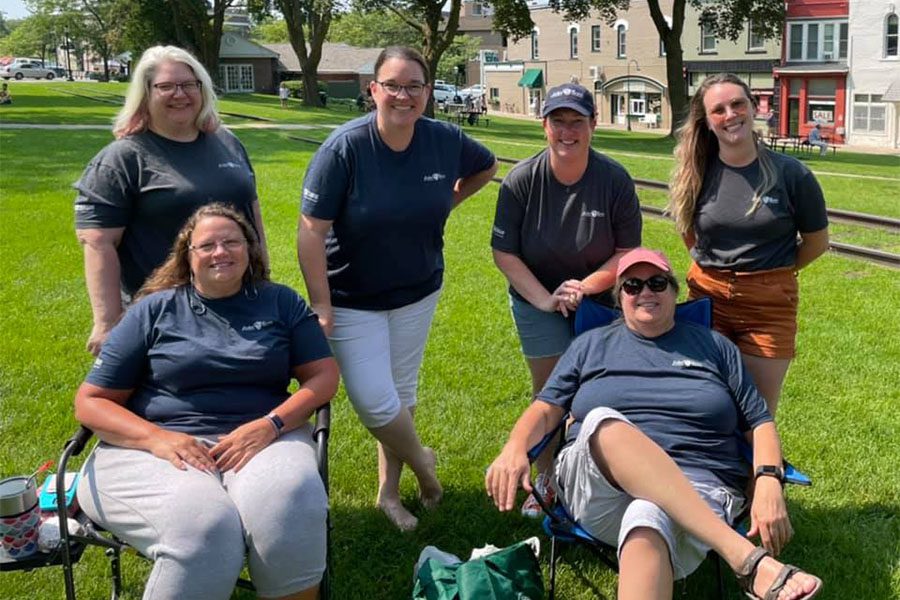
[(815, 139), (5, 96), (283, 94)]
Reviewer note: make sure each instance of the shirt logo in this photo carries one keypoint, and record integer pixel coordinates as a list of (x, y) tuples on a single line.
[(687, 364), (310, 195), (769, 200), (256, 326), (498, 232), (593, 214), (434, 177), (98, 363), (229, 165)]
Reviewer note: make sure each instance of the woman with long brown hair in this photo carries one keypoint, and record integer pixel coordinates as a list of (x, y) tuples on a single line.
[(751, 219), (204, 453)]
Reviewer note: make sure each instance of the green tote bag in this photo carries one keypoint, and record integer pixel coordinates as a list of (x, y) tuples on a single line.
[(512, 573)]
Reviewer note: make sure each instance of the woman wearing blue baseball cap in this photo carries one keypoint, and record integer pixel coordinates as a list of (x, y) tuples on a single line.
[(563, 219)]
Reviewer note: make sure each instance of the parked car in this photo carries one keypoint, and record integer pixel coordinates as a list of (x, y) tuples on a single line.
[(472, 91), (443, 92), (21, 70), (60, 71)]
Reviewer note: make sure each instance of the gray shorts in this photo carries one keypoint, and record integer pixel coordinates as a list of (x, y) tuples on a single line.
[(198, 526), (542, 334), (610, 514)]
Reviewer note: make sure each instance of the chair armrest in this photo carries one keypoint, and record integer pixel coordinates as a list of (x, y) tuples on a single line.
[(539, 448), (323, 420)]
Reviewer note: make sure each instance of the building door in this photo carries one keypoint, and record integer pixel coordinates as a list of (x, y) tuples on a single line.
[(794, 116)]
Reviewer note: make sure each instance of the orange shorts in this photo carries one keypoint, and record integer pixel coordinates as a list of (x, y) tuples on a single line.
[(756, 310)]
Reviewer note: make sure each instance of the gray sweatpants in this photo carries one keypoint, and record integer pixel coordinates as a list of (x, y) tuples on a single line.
[(197, 526)]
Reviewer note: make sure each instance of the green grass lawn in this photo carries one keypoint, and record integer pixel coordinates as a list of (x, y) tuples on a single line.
[(839, 415)]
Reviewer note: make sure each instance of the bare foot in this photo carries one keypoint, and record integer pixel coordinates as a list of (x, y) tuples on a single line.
[(398, 515), (430, 490), (799, 585)]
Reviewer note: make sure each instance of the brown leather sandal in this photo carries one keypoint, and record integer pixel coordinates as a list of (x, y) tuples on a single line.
[(746, 575)]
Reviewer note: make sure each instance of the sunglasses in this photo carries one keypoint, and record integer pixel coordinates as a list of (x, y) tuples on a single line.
[(633, 285)]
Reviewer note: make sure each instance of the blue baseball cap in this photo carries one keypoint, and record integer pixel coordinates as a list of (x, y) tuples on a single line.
[(570, 95)]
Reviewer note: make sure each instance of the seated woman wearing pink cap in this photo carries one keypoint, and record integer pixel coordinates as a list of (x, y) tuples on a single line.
[(651, 462)]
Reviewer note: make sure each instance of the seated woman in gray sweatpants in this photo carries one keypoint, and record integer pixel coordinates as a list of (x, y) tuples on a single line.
[(204, 454)]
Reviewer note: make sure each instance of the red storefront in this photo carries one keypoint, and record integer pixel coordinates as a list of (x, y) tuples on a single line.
[(812, 78)]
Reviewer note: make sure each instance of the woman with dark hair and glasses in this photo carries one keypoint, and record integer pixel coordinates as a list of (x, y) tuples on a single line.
[(171, 156), (376, 197), (205, 455), (651, 462)]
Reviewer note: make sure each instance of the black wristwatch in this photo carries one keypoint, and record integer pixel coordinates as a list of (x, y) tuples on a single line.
[(770, 471), (276, 422)]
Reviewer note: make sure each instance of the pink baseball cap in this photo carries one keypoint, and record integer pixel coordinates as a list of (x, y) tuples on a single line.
[(643, 255)]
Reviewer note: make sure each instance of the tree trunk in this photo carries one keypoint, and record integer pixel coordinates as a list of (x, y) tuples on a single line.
[(678, 99)]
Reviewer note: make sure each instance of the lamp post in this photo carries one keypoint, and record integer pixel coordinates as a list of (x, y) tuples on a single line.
[(68, 60), (637, 67)]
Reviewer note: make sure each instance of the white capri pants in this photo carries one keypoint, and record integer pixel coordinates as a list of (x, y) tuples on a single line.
[(197, 526), (380, 353), (610, 514)]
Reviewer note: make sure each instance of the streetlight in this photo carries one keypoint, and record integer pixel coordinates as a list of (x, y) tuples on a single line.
[(637, 67), (68, 60)]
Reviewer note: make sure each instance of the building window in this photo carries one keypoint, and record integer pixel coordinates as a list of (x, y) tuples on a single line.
[(819, 41), (755, 40), (891, 35), (535, 54), (868, 113), (477, 9), (573, 43), (236, 78), (595, 38), (707, 38), (620, 41), (494, 94)]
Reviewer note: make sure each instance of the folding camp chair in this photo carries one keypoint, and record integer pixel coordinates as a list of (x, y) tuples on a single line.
[(558, 524), (72, 546)]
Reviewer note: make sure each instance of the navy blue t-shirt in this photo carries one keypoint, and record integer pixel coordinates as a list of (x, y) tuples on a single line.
[(150, 185), (205, 366), (687, 390), (385, 247)]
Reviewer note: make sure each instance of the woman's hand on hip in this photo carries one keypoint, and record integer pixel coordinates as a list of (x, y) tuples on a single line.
[(504, 476), (235, 450), (181, 450), (769, 517)]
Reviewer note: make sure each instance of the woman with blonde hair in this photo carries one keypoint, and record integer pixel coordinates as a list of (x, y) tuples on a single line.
[(751, 218), (171, 155), (205, 454)]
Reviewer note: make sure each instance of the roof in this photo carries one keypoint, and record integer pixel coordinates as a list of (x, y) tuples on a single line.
[(813, 68), (892, 93), (235, 46), (336, 58)]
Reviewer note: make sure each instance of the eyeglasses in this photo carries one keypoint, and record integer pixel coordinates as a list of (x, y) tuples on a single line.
[(169, 87), (633, 285), (414, 90), (208, 248)]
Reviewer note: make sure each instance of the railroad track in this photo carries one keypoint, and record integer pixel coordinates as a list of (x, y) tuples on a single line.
[(869, 254)]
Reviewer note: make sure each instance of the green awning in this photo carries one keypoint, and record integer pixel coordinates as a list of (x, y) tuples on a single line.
[(533, 78)]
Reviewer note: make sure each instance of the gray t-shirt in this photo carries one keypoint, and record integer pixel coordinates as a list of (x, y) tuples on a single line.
[(727, 238), (687, 390), (205, 366), (566, 232), (150, 185)]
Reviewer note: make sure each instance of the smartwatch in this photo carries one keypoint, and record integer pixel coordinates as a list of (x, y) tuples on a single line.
[(276, 422), (769, 471)]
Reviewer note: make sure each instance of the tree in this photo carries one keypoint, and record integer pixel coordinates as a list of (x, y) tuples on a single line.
[(271, 31), (307, 26), (728, 19), (427, 18)]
